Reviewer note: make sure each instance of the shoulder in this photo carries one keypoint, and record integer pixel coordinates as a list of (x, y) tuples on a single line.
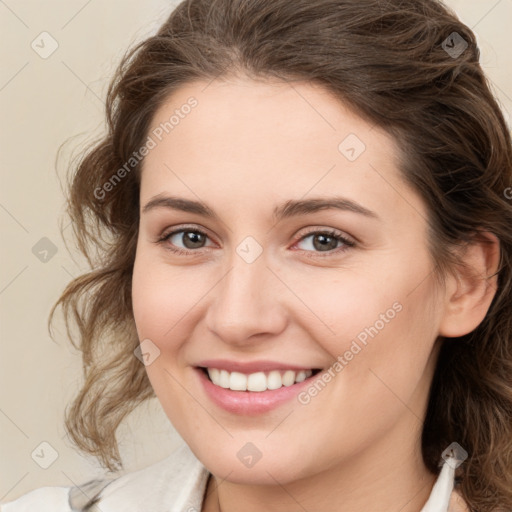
[(179, 479), (58, 498), (44, 499)]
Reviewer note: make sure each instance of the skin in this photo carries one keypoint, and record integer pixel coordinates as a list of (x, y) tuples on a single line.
[(245, 148)]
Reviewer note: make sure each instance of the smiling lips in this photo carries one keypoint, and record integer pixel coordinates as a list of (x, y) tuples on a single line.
[(254, 376), (252, 388)]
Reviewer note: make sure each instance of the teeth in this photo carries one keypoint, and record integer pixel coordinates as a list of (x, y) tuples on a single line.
[(259, 381)]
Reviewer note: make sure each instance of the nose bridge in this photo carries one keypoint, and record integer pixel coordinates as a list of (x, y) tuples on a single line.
[(243, 303)]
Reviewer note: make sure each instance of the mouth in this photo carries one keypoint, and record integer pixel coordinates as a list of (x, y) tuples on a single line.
[(258, 381)]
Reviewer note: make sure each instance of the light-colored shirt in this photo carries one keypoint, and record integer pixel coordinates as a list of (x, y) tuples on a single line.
[(174, 484)]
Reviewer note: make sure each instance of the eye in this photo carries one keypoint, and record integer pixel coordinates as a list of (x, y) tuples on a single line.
[(326, 242), (190, 238)]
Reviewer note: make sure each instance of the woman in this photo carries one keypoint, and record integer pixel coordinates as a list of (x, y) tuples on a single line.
[(308, 263)]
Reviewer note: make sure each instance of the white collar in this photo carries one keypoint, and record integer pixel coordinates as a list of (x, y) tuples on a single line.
[(439, 498)]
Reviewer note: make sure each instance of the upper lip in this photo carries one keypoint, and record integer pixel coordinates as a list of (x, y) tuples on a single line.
[(250, 366)]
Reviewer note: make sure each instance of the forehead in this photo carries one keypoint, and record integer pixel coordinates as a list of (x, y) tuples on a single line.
[(265, 138), (293, 111)]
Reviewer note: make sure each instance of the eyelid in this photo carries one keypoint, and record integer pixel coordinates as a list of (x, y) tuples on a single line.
[(347, 241), (183, 228), (333, 231)]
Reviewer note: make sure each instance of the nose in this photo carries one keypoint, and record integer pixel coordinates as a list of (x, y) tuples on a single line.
[(247, 303)]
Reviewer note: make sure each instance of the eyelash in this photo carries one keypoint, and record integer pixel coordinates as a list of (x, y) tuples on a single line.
[(334, 234)]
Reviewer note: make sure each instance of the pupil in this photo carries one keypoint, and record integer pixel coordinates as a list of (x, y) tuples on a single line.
[(193, 240), (324, 245)]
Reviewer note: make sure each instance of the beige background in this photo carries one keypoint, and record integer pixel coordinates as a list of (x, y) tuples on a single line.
[(44, 101)]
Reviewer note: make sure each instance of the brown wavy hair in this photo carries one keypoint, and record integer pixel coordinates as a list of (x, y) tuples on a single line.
[(390, 62)]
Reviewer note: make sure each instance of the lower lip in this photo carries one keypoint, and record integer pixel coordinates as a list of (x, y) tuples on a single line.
[(251, 402)]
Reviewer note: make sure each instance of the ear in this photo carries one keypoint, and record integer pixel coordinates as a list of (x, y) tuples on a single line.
[(472, 286)]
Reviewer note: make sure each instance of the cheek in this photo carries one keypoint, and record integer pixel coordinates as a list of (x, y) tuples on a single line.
[(383, 360), (339, 306), (162, 297), (382, 319), (168, 304)]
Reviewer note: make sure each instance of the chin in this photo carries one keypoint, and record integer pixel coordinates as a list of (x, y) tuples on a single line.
[(277, 466)]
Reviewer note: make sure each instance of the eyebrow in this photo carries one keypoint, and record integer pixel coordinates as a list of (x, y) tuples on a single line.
[(291, 208)]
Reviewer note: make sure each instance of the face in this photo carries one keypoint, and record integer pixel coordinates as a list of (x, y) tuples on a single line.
[(345, 288)]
